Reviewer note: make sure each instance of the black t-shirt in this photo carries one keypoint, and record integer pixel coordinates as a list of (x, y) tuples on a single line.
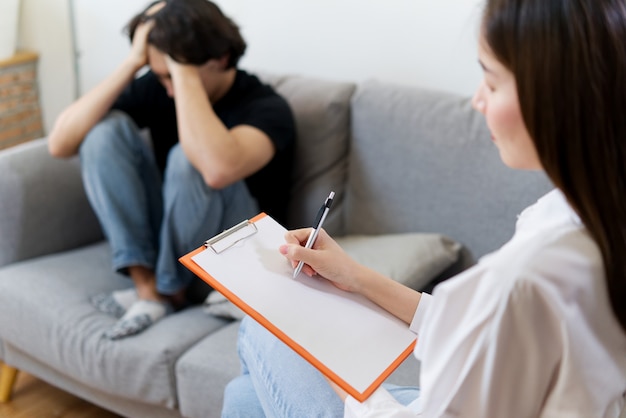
[(248, 102)]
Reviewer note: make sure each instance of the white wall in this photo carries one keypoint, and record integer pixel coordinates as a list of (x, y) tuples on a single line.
[(419, 42), (44, 28)]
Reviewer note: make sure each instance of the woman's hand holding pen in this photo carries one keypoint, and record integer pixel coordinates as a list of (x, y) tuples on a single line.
[(330, 261), (326, 259)]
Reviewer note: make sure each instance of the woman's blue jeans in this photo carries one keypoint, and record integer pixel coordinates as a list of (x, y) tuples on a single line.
[(278, 382), (151, 219)]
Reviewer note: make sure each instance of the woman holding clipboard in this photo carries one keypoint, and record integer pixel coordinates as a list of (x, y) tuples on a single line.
[(537, 328)]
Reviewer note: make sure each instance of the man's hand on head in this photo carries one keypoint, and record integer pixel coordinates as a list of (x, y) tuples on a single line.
[(172, 63), (212, 77), (176, 67), (139, 49)]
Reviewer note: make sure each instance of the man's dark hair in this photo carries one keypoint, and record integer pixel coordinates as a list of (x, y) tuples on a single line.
[(192, 32)]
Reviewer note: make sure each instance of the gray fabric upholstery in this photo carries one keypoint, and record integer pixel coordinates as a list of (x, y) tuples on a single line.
[(322, 112), (52, 319), (43, 204), (124, 406), (428, 159), (407, 374), (411, 259), (215, 357)]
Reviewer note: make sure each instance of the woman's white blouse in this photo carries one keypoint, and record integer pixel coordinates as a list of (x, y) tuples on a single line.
[(527, 332)]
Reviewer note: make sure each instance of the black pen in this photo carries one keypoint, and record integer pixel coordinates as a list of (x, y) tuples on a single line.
[(317, 225)]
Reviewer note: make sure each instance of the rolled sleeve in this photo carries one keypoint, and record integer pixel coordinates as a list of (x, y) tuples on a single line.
[(420, 313)]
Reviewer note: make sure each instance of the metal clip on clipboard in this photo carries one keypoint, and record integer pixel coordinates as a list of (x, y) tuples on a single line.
[(223, 241)]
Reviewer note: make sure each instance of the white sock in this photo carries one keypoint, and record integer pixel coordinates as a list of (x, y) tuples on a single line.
[(115, 303), (141, 315), (125, 297), (154, 309)]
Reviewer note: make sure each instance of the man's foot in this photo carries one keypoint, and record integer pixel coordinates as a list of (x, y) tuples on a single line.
[(115, 303), (141, 315)]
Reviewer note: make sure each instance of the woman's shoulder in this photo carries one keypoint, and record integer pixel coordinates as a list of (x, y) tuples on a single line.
[(550, 243), (562, 256)]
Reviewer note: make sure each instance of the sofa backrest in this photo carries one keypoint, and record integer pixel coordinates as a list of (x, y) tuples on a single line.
[(423, 161), (29, 176), (322, 112)]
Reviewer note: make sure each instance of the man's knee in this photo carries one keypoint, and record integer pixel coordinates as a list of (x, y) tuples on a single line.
[(105, 137), (179, 169)]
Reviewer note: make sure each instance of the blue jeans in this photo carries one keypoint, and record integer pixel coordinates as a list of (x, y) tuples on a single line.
[(151, 220), (278, 382)]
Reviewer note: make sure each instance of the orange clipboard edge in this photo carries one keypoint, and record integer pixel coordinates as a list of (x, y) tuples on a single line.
[(359, 396), (187, 261)]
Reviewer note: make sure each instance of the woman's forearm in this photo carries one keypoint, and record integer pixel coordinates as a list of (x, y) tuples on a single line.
[(390, 295)]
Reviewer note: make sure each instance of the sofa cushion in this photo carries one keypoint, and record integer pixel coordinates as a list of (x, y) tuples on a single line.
[(42, 200), (52, 320), (413, 259), (322, 112), (426, 157), (204, 371)]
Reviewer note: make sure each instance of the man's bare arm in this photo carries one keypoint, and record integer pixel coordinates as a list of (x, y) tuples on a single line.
[(75, 122), (223, 156)]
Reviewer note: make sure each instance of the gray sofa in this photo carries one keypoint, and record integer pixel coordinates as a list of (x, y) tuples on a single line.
[(401, 160)]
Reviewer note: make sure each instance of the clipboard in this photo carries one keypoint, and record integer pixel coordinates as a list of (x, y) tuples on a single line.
[(352, 341), (231, 237)]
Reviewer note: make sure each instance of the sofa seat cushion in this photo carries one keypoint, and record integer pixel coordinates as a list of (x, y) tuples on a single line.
[(204, 371), (46, 313)]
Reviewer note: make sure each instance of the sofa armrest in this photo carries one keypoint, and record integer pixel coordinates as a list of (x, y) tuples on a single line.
[(43, 207)]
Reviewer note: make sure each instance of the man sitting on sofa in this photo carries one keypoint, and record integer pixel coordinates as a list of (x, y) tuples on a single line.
[(221, 151)]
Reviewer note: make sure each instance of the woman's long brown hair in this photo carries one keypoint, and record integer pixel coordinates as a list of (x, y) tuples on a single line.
[(569, 61)]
